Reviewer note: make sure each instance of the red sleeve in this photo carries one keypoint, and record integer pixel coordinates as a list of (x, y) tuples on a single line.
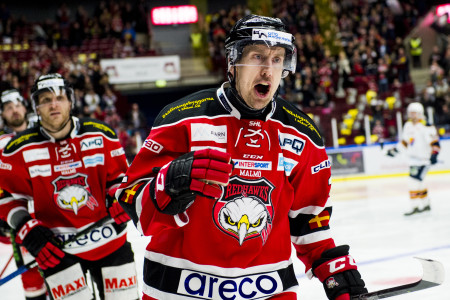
[(117, 165), (13, 177), (159, 149), (310, 213)]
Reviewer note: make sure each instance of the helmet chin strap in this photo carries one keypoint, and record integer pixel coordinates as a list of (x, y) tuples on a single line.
[(60, 128)]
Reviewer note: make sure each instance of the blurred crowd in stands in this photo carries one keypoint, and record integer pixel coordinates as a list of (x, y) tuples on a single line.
[(358, 65), (369, 70), (72, 44)]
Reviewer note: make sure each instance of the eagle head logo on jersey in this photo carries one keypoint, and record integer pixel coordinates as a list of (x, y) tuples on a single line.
[(72, 193), (245, 209)]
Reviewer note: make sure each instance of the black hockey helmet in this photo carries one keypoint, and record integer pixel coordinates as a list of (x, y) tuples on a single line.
[(254, 29), (11, 95), (54, 83)]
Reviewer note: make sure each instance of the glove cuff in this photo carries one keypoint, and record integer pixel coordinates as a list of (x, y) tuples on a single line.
[(333, 266), (25, 229)]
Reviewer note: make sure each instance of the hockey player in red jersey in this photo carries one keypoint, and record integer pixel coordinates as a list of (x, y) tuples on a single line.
[(14, 115), (60, 178), (229, 178)]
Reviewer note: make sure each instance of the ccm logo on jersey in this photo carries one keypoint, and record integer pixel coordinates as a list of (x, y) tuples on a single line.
[(291, 143), (92, 143), (323, 165), (253, 156), (153, 146), (206, 286)]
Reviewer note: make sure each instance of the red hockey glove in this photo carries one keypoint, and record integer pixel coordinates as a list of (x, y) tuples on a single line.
[(117, 213), (194, 173), (41, 243), (338, 273)]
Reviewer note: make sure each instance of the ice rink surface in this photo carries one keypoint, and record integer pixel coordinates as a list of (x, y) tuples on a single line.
[(367, 215)]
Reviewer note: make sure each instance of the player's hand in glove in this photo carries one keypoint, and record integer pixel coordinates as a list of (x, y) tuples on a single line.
[(338, 273), (392, 152), (40, 242), (117, 213), (433, 158), (194, 173)]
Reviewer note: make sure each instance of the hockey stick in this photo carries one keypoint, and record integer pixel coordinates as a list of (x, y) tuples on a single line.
[(32, 264), (7, 264), (433, 275)]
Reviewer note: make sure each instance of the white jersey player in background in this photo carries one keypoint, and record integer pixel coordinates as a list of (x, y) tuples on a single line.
[(420, 142)]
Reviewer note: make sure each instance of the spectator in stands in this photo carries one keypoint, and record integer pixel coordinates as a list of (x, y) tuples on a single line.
[(435, 55), (128, 33), (91, 100), (137, 120), (379, 130), (402, 65)]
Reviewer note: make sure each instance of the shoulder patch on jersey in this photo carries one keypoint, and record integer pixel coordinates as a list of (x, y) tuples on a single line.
[(288, 114), (201, 103), (23, 138), (302, 121), (191, 104), (91, 125)]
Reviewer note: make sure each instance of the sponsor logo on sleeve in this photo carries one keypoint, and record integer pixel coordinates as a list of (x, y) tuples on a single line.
[(117, 152), (286, 164), (208, 286), (92, 143), (36, 154), (291, 143), (153, 146), (208, 132), (323, 165), (94, 160), (5, 166), (40, 170)]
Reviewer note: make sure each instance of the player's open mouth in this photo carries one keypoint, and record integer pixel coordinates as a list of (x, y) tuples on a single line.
[(262, 89)]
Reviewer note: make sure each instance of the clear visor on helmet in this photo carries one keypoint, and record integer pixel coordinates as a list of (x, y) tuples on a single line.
[(56, 94), (285, 60)]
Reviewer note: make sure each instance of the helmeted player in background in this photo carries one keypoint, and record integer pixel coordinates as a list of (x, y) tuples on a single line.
[(14, 115), (229, 178), (420, 143), (60, 177)]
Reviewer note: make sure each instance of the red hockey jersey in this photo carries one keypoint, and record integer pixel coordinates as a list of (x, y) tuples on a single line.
[(278, 191), (64, 183)]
